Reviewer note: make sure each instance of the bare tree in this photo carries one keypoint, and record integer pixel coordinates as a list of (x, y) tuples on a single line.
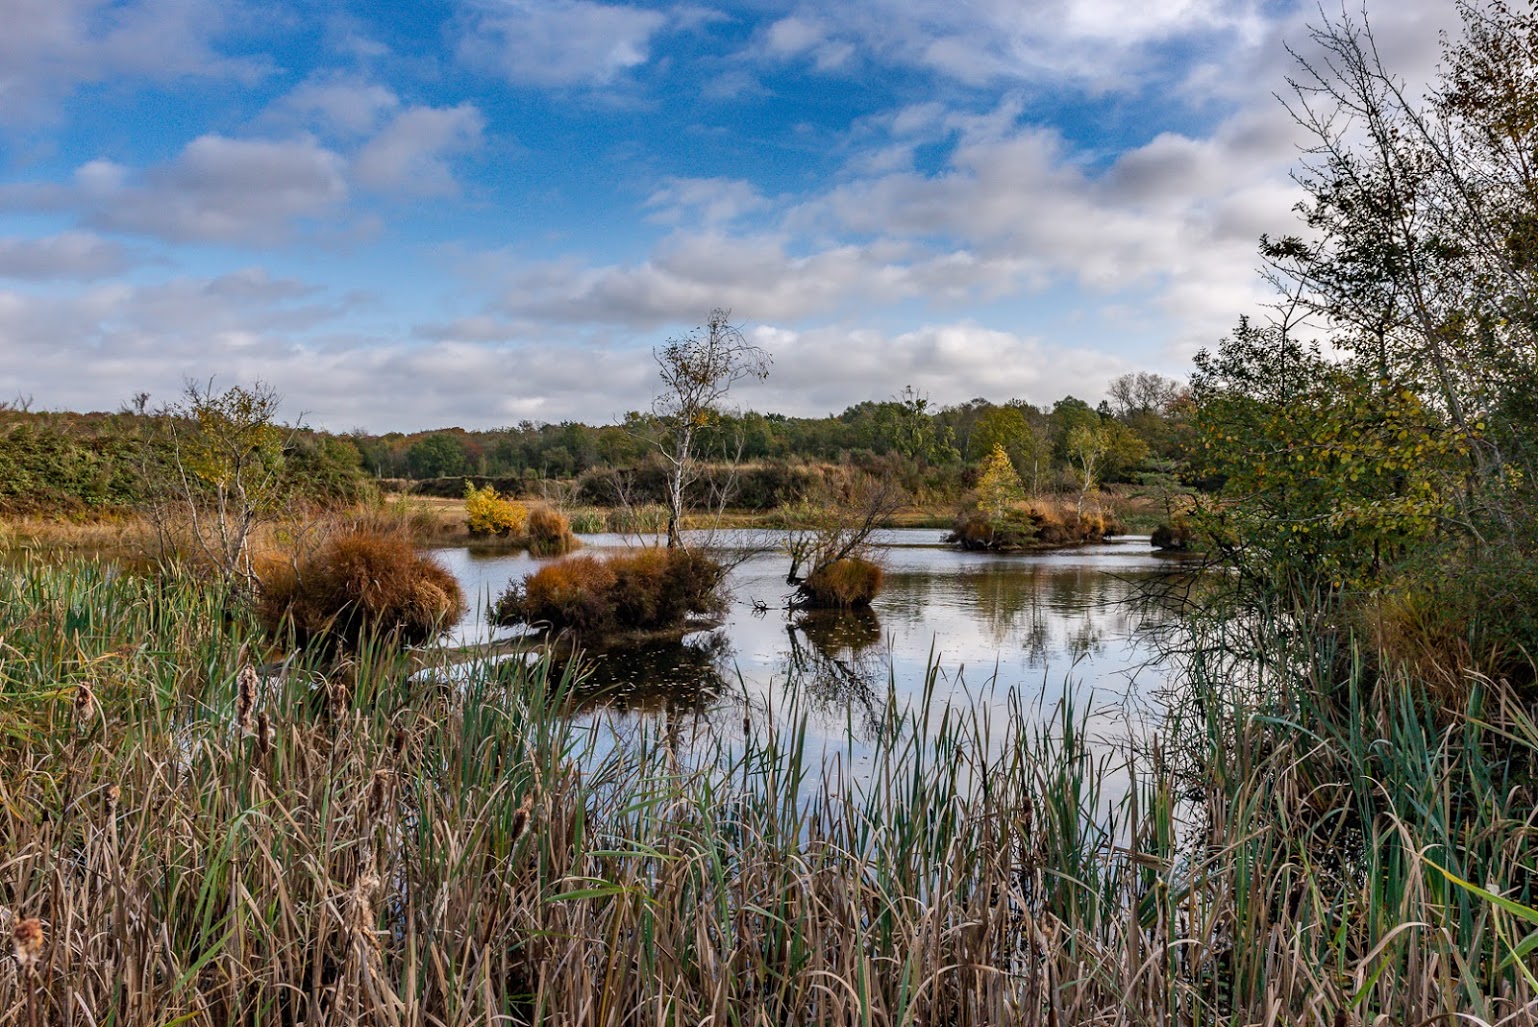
[(837, 522), (697, 372)]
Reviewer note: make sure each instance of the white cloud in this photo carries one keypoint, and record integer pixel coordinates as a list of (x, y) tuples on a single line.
[(229, 190), (409, 154), (794, 37), (708, 201), (339, 104), (50, 47), (557, 42), (217, 189), (826, 369), (77, 255)]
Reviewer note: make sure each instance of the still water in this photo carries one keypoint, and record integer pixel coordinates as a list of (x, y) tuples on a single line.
[(1033, 629)]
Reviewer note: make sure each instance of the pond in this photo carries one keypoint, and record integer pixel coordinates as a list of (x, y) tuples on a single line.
[(981, 629)]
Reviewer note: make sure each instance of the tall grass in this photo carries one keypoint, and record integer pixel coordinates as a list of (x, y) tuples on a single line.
[(367, 843)]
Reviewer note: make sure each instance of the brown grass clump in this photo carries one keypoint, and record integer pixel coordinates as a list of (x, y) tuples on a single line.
[(361, 580), (847, 584), (548, 532), (646, 590)]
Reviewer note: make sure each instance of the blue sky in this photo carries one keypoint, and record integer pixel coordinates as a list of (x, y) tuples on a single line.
[(474, 212)]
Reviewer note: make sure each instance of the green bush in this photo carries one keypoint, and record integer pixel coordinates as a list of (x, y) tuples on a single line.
[(1174, 536)]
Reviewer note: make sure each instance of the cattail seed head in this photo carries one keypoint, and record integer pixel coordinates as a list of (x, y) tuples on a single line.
[(110, 799), (379, 791), (266, 734), (86, 706), (360, 908), (522, 815), (27, 941), (245, 699)]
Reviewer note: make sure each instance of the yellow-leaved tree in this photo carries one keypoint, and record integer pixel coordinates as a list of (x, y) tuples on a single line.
[(998, 485)]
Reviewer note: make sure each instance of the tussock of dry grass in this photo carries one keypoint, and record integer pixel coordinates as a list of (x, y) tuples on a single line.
[(648, 589), (847, 584), (361, 578)]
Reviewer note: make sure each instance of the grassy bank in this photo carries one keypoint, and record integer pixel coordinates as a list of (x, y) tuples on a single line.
[(355, 843)]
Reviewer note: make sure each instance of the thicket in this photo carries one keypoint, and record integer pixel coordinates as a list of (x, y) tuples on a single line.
[(778, 458), (102, 464), (1391, 488)]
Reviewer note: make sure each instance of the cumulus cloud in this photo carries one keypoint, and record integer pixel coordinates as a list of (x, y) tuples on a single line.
[(90, 350), (709, 201), (1012, 212), (338, 104), (76, 255), (218, 189), (410, 154), (557, 42), (826, 369), (50, 47)]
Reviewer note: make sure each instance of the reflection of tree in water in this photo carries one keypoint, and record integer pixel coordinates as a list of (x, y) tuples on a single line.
[(1030, 605), (837, 660), (657, 676)]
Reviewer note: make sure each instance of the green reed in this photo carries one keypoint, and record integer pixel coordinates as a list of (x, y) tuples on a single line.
[(380, 839)]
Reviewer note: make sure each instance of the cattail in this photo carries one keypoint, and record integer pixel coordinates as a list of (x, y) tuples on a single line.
[(86, 707), (360, 908), (522, 815), (110, 799), (27, 941), (378, 792), (337, 694), (245, 699), (398, 743), (266, 734)]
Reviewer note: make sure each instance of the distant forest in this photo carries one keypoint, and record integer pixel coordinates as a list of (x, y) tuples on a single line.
[(79, 462)]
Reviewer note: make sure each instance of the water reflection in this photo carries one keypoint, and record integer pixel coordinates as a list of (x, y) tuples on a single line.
[(836, 659), (1036, 625), (654, 676)]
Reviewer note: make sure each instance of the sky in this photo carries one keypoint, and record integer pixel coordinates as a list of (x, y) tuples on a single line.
[(477, 212)]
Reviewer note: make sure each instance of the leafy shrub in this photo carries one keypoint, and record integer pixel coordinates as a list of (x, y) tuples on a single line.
[(487, 513), (646, 590), (847, 584), (362, 579), (549, 532)]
